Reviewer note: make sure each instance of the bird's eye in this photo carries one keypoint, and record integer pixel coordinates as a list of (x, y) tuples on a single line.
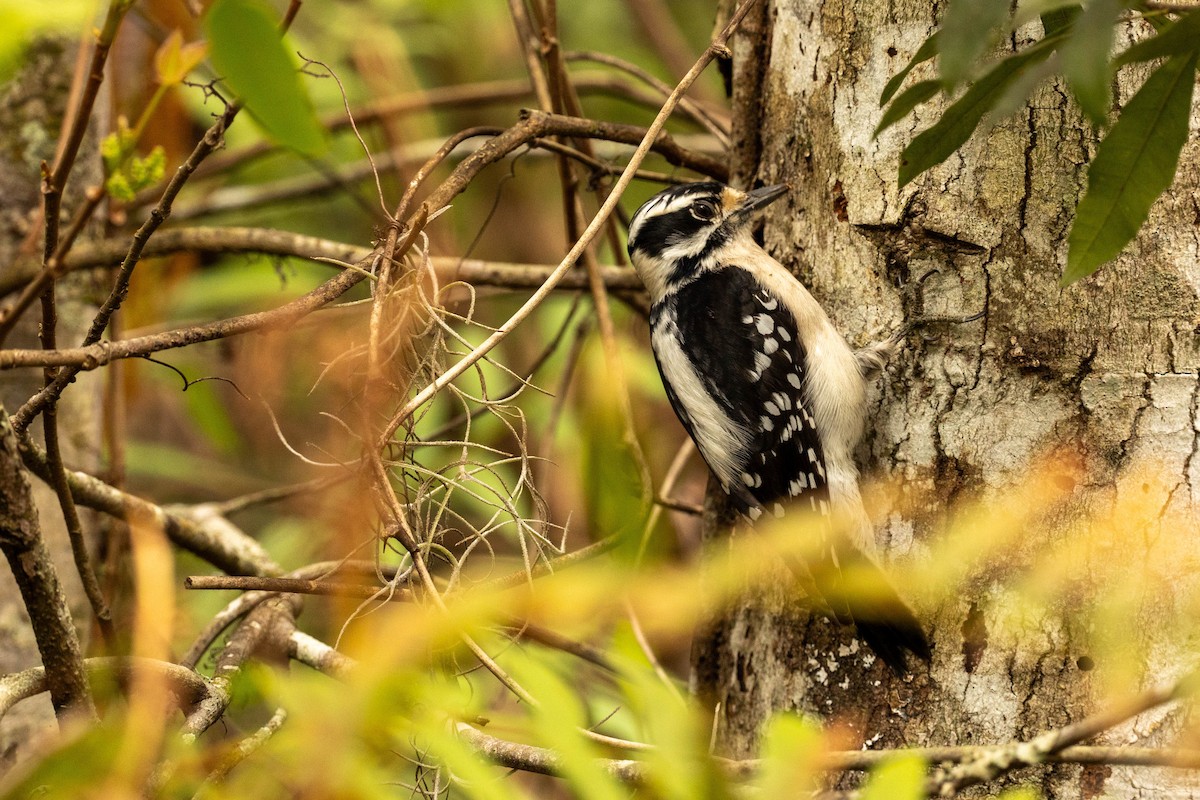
[(704, 210)]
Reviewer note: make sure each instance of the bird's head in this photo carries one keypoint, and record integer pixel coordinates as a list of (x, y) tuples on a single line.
[(680, 231)]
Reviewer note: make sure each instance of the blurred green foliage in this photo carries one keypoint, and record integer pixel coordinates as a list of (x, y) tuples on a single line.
[(520, 460)]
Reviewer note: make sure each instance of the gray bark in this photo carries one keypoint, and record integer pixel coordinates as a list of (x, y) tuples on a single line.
[(1107, 367), (31, 109)]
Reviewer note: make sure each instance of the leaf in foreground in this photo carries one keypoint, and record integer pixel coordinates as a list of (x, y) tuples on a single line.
[(1178, 38), (966, 33), (249, 53), (901, 778), (926, 51), (1134, 164), (1084, 58), (934, 145)]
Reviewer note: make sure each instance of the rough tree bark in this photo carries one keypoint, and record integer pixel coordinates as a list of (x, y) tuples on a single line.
[(1108, 366), (31, 108)]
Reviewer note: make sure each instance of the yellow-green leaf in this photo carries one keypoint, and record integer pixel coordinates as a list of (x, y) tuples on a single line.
[(790, 748), (174, 60), (900, 778)]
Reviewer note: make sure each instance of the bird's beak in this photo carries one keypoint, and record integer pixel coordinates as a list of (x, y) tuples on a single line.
[(756, 200)]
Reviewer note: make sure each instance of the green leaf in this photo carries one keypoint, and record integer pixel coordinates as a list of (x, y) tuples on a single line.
[(934, 145), (1017, 95), (909, 99), (1178, 38), (966, 34), (1134, 164), (1084, 58), (1029, 10), (900, 778), (249, 53), (926, 51), (1059, 18)]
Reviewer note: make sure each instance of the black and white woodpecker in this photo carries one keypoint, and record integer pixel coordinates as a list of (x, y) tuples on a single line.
[(771, 393)]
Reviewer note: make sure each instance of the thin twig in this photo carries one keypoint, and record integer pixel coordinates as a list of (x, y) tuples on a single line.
[(245, 583)]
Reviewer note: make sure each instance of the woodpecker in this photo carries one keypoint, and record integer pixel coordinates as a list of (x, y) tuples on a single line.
[(770, 392)]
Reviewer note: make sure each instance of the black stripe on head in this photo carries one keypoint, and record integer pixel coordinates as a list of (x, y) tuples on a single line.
[(656, 230)]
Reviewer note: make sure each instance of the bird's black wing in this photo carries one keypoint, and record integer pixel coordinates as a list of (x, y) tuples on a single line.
[(744, 345)]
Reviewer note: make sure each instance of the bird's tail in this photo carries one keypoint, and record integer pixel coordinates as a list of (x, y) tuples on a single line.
[(856, 591)]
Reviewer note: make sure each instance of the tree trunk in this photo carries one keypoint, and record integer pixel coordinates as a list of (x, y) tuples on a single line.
[(31, 109), (1107, 367)]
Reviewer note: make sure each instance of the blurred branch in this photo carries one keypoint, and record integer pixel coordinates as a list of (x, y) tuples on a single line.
[(656, 24), (246, 602), (236, 198), (318, 655), (285, 243), (189, 686), (543, 761), (223, 546), (295, 586), (259, 240), (469, 95), (244, 749), (716, 124), (535, 124), (265, 631)]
